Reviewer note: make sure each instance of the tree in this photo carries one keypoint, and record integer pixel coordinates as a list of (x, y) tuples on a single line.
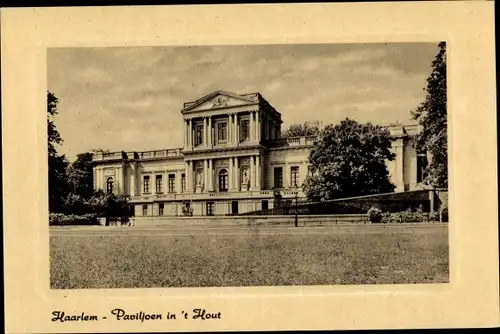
[(57, 164), (80, 176), (431, 115), (309, 128), (349, 160), (109, 205)]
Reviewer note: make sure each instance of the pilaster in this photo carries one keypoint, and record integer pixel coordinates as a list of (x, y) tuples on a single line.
[(237, 173)]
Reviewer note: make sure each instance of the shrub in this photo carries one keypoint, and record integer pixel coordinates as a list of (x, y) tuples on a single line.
[(375, 215), (407, 216), (444, 214), (60, 219)]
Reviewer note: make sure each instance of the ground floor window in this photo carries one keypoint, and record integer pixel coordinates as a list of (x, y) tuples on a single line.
[(161, 206), (145, 210), (234, 207), (210, 208), (265, 204)]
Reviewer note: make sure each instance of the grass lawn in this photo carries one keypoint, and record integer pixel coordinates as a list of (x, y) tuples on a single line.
[(357, 255)]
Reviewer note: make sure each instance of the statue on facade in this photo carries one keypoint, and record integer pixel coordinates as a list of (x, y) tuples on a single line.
[(199, 178), (245, 177)]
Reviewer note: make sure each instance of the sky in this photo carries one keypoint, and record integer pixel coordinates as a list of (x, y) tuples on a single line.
[(130, 98)]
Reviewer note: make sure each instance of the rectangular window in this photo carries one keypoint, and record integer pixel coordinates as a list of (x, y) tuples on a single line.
[(145, 184), (171, 183), (294, 176), (265, 204), (145, 210), (183, 182), (234, 207), (159, 184), (198, 135), (245, 130), (210, 208), (161, 206), (222, 133), (278, 177)]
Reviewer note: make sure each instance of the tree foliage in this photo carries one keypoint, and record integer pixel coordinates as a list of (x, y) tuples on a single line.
[(58, 186), (309, 128), (80, 175), (349, 160), (431, 115)]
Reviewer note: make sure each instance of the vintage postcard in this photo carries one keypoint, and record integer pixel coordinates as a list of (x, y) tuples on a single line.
[(250, 167)]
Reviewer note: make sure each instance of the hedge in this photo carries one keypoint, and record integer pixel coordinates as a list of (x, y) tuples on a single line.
[(59, 219), (408, 216)]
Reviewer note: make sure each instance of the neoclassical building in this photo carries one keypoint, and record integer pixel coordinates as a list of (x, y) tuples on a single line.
[(233, 161)]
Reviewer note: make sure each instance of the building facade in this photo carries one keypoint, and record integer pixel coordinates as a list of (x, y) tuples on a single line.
[(233, 161)]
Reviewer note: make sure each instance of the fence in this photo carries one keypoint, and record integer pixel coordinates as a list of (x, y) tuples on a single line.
[(390, 202)]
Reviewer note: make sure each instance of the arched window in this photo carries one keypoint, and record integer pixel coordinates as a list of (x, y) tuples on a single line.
[(109, 185), (223, 180)]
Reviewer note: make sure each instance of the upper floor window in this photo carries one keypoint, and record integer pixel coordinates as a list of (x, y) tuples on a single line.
[(145, 184), (245, 130), (278, 177), (294, 176), (159, 184), (109, 185), (183, 182), (198, 135), (171, 182), (222, 133)]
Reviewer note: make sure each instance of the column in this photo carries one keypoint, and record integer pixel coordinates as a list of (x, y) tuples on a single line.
[(286, 175), (205, 141), (190, 133), (186, 132), (237, 173), (132, 179), (258, 126), (188, 177), (210, 174), (205, 174), (399, 165), (258, 173), (251, 130), (178, 185), (230, 129), (122, 179), (231, 187), (210, 137), (252, 172), (236, 138)]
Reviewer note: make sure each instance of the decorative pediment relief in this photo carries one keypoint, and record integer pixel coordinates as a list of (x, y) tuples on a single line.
[(218, 100)]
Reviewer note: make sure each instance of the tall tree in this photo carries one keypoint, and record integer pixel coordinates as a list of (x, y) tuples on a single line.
[(309, 128), (431, 115), (80, 176), (349, 160), (57, 163)]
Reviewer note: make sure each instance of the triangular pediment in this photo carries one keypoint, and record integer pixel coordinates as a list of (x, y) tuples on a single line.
[(219, 99)]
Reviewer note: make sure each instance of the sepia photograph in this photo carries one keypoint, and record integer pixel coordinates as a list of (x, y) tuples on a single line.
[(248, 165)]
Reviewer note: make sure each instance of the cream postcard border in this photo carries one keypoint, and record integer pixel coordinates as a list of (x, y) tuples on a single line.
[(469, 300)]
